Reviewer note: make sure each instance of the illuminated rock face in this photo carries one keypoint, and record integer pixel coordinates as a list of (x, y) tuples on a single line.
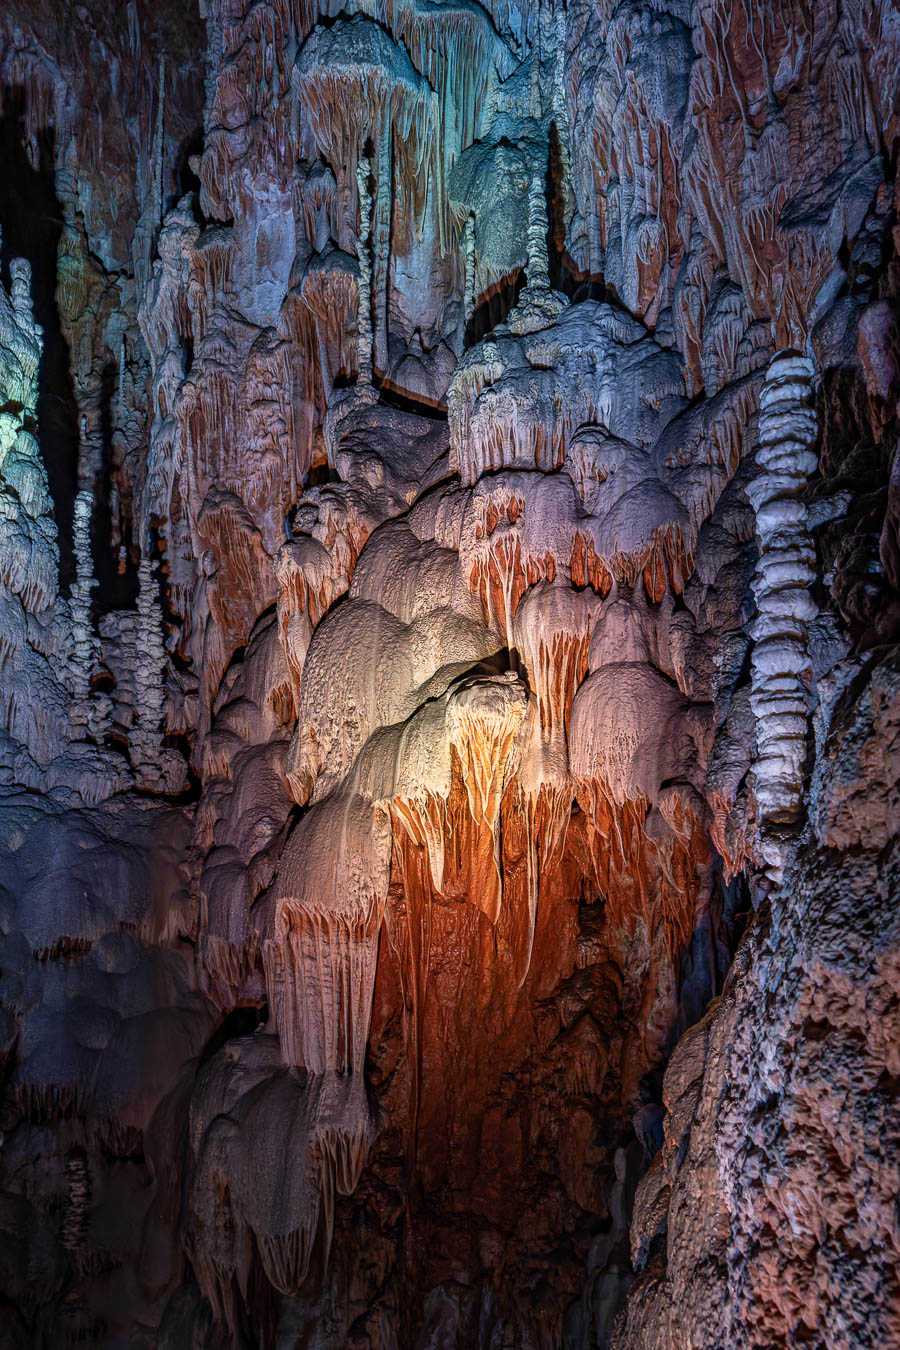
[(449, 714)]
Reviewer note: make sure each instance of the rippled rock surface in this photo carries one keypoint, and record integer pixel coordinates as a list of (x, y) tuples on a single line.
[(449, 675)]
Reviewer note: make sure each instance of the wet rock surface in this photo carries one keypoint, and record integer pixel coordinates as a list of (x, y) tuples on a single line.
[(449, 682)]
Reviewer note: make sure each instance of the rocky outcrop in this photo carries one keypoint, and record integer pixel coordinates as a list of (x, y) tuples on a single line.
[(449, 724), (774, 1188)]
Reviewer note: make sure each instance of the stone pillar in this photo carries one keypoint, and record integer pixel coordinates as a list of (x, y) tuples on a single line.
[(780, 659)]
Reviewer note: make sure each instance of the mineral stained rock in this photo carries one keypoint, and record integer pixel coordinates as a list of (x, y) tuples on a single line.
[(449, 675)]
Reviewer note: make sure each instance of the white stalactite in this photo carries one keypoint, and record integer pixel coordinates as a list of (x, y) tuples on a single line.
[(120, 394), (364, 317), (469, 254), (83, 715), (538, 269), (381, 246)]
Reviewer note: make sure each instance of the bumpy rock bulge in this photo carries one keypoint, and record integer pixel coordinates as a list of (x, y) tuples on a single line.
[(449, 674)]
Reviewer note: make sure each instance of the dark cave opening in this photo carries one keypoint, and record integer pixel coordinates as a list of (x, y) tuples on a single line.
[(494, 306), (187, 181), (31, 218), (241, 1021), (561, 278), (587, 288), (187, 347), (707, 958), (317, 476), (116, 573), (565, 276), (394, 398)]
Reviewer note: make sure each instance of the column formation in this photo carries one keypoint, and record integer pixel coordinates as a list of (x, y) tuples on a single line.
[(785, 570), (364, 316)]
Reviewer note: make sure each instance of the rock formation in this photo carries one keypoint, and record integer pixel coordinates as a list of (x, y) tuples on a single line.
[(449, 674)]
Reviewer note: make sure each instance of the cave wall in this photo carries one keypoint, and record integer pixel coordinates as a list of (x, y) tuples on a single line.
[(449, 704)]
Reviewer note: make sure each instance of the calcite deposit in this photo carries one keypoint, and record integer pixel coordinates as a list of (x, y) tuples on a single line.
[(449, 675)]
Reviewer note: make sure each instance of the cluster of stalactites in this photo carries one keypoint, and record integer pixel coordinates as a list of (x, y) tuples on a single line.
[(29, 557), (483, 719), (247, 1114), (28, 553), (780, 659)]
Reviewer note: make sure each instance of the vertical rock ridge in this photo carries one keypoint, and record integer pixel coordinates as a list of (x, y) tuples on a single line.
[(448, 659)]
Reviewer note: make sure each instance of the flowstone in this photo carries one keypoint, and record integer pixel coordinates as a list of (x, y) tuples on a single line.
[(449, 565)]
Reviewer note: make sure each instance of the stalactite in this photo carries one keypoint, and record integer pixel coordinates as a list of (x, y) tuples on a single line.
[(468, 846), (381, 244), (483, 721), (535, 93), (469, 256), (538, 266), (560, 105), (149, 658), (120, 390), (364, 306), (88, 713)]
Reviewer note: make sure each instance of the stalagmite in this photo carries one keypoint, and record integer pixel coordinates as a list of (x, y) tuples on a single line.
[(538, 267), (397, 747), (33, 696), (538, 305)]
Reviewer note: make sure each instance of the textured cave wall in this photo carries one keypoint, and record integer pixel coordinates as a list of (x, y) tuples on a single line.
[(449, 704)]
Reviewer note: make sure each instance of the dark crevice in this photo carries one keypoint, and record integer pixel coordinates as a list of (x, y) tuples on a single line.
[(494, 307), (560, 277), (193, 786), (116, 574), (587, 288), (565, 275), (500, 663), (241, 1021), (185, 177), (187, 347), (393, 398), (318, 476)]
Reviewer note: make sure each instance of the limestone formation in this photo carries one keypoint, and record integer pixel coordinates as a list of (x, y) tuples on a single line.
[(449, 704), (781, 670)]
